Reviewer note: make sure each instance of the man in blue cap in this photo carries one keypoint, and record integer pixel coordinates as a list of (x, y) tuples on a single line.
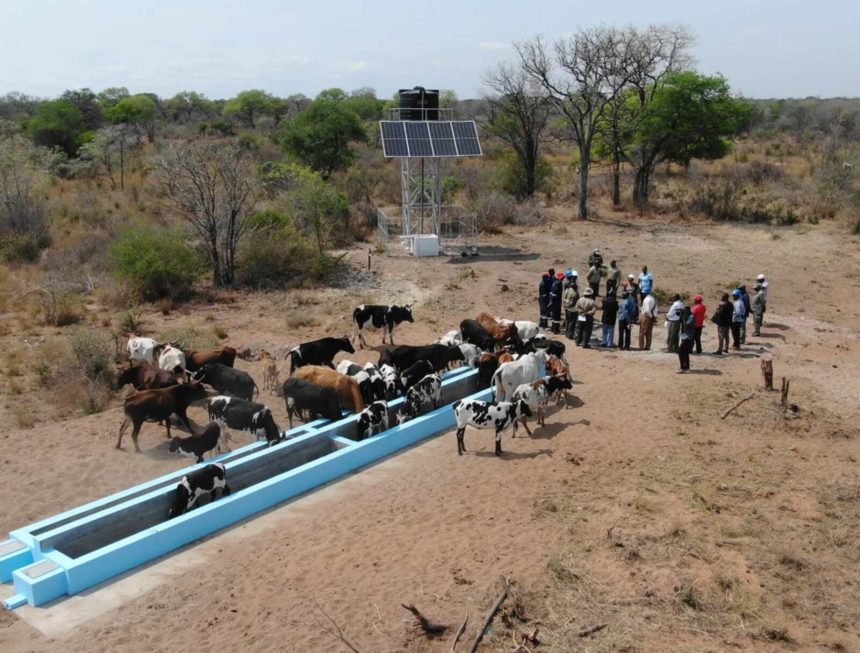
[(739, 316)]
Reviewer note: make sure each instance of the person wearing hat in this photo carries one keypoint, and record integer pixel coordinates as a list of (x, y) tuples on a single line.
[(544, 287), (757, 304), (555, 302), (761, 280), (688, 334), (585, 309), (595, 259), (569, 297), (723, 319), (699, 311), (613, 277), (647, 319), (673, 320), (594, 274), (739, 316)]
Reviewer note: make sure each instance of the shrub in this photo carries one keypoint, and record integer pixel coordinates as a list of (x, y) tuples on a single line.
[(494, 211), (275, 254), (156, 262), (93, 352), (61, 307)]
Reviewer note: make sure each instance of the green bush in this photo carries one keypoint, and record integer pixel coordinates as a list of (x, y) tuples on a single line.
[(23, 247), (94, 353), (276, 254), (156, 262)]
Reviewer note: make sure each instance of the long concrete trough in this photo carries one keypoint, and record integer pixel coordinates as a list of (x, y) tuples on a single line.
[(78, 549)]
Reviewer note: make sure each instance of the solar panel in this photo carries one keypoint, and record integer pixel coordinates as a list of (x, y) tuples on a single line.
[(393, 139), (466, 137), (418, 137), (443, 139), (433, 138)]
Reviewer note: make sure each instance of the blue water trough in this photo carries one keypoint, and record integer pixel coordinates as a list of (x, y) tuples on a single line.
[(77, 549)]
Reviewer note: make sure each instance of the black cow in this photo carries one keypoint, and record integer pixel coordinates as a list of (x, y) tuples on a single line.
[(380, 317), (402, 357), (195, 485), (302, 395), (318, 352), (474, 333), (245, 416), (227, 380), (373, 418), (198, 444), (415, 373)]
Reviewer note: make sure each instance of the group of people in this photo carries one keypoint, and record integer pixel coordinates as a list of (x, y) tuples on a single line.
[(562, 305)]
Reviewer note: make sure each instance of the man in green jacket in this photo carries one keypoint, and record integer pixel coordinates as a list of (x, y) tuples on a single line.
[(757, 306)]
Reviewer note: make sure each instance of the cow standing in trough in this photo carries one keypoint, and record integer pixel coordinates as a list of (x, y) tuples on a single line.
[(146, 376), (348, 393), (372, 419), (536, 394), (485, 415), (513, 374), (427, 391), (245, 416), (318, 400), (202, 482), (227, 380), (197, 358), (198, 444), (318, 352), (159, 405), (380, 317)]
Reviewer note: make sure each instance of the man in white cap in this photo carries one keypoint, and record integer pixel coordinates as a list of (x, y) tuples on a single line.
[(761, 280), (585, 309)]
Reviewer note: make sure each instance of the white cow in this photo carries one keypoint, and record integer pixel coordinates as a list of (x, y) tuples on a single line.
[(525, 329), (173, 359), (141, 349), (509, 376), (471, 354), (451, 338)]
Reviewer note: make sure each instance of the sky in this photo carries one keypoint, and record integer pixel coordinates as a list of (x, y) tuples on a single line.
[(766, 48)]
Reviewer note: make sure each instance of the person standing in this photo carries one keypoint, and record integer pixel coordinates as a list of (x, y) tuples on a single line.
[(596, 258), (569, 298), (699, 312), (723, 319), (688, 333), (739, 315), (646, 281), (746, 299), (610, 314), (585, 308), (673, 318), (613, 277), (626, 312), (757, 304), (762, 281), (594, 274), (543, 296), (555, 302), (647, 318)]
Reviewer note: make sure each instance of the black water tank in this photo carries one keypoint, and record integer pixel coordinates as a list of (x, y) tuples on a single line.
[(419, 103)]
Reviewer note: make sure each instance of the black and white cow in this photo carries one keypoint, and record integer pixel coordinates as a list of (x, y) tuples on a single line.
[(197, 484), (372, 419), (318, 352), (377, 382), (393, 385), (380, 317), (227, 380), (427, 390), (414, 373), (487, 415), (536, 394), (361, 376), (245, 416), (198, 444), (300, 395)]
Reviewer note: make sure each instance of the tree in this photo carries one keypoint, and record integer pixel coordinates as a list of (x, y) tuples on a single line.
[(594, 67), (690, 116), (519, 113), (109, 150), (320, 136), (185, 105), (58, 124), (212, 184), (88, 104), (248, 106), (317, 209), (110, 96), (141, 111), (23, 178)]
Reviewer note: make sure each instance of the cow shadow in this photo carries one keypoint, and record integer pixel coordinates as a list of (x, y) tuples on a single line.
[(776, 325), (514, 455), (707, 371), (547, 432), (771, 335)]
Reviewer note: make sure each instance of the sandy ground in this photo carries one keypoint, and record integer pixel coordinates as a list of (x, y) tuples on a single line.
[(637, 508)]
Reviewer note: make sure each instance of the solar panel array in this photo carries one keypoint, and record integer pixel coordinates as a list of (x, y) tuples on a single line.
[(430, 138)]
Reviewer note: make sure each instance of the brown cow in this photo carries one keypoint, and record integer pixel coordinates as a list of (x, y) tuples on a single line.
[(499, 332), (346, 387), (146, 377), (159, 404), (557, 367), (488, 363), (197, 358)]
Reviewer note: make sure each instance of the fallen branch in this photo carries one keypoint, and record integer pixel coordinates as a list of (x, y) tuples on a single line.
[(592, 630), (334, 630), (460, 631), (726, 414), (490, 615), (427, 626)]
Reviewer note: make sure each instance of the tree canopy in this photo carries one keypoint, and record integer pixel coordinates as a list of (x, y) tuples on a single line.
[(58, 124)]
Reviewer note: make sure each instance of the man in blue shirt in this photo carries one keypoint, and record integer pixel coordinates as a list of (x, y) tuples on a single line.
[(646, 281), (739, 317)]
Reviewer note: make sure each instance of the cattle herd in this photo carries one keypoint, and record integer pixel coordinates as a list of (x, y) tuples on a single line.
[(524, 368)]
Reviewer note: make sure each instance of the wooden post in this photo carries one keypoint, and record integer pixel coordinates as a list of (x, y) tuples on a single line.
[(784, 398), (767, 373)]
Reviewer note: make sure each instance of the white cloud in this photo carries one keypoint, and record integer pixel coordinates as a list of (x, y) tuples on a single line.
[(493, 45), (359, 65)]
